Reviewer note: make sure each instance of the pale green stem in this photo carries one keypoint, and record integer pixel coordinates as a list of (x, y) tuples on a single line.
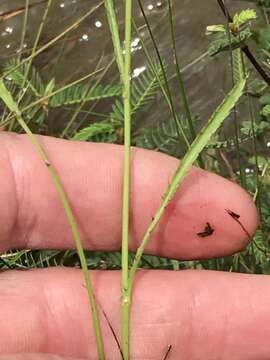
[(262, 176), (25, 18), (53, 93), (126, 181), (10, 103), (112, 20), (41, 26), (45, 98), (163, 86)]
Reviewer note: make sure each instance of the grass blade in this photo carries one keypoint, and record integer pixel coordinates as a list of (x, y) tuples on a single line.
[(196, 147), (13, 107)]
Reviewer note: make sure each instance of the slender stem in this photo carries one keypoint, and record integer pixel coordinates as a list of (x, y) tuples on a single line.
[(28, 66), (126, 296), (41, 27), (236, 134), (196, 147), (161, 84), (112, 20), (10, 103), (57, 91), (25, 18), (245, 48), (44, 99), (181, 83), (166, 84)]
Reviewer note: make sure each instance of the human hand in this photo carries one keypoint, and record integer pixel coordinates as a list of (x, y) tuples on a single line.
[(202, 314)]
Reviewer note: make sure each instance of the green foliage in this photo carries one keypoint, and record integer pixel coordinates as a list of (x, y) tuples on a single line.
[(263, 5), (224, 43), (30, 87), (33, 83), (143, 91), (26, 84), (97, 132), (239, 21), (212, 29), (266, 110), (238, 65), (162, 138), (82, 93), (231, 37), (244, 17)]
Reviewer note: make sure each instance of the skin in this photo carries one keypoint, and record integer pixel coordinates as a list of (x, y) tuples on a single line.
[(202, 314)]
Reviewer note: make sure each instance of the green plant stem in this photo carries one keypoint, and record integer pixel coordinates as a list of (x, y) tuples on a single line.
[(25, 18), (112, 20), (57, 91), (45, 98), (162, 87), (22, 92), (126, 299), (41, 27), (181, 84), (235, 122), (167, 88), (12, 106), (196, 147)]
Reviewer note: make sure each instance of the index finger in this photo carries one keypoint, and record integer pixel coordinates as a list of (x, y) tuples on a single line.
[(198, 223)]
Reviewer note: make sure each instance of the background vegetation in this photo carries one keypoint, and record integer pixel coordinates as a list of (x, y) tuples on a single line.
[(92, 110)]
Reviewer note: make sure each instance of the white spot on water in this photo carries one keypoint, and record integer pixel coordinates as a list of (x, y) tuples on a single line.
[(137, 71), (98, 24)]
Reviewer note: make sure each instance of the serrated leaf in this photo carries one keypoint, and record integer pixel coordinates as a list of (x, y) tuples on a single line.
[(79, 92)]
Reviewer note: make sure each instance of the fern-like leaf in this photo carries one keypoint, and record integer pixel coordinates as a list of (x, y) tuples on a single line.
[(162, 138), (33, 82), (79, 92), (97, 132), (238, 70), (223, 42), (143, 91)]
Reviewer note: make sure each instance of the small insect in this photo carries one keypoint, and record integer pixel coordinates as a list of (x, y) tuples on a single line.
[(233, 214), (208, 231), (236, 218)]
